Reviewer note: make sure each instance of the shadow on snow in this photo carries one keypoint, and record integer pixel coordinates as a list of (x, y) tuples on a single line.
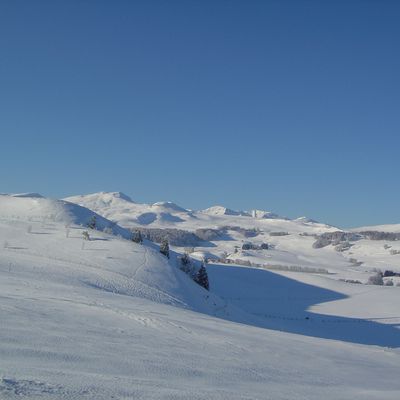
[(281, 303)]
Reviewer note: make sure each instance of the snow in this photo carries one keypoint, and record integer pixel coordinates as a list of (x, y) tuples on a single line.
[(129, 214), (119, 207), (168, 206), (108, 318), (220, 210), (395, 228), (35, 208), (312, 305), (295, 249), (265, 214)]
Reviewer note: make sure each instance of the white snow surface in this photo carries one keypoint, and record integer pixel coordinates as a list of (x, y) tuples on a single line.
[(394, 228), (119, 207), (294, 249), (111, 319)]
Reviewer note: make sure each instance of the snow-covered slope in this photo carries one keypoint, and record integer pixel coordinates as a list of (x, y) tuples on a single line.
[(52, 229), (220, 210), (108, 318), (35, 208), (290, 242), (380, 228), (119, 207)]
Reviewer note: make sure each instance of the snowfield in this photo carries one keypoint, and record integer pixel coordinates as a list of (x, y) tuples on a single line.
[(111, 319), (294, 247)]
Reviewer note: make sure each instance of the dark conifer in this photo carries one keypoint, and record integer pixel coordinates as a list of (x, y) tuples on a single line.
[(137, 237), (92, 222), (202, 277), (164, 248)]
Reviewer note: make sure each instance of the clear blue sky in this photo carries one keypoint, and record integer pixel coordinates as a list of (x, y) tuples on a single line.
[(290, 106)]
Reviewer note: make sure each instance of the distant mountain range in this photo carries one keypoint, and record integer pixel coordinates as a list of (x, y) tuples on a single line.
[(221, 233)]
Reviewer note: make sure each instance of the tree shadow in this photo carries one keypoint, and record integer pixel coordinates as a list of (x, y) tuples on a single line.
[(281, 303)]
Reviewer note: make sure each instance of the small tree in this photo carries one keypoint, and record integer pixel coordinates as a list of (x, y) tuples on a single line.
[(186, 265), (375, 279), (202, 278), (185, 259), (108, 230), (137, 237), (164, 248), (92, 222), (85, 235)]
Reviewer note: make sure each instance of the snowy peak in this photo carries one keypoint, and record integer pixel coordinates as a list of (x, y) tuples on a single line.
[(119, 207), (168, 206), (265, 214), (41, 209), (221, 210), (101, 198), (26, 207), (391, 228), (259, 214), (306, 220), (120, 195)]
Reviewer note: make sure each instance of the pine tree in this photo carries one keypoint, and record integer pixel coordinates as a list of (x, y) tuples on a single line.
[(137, 237), (164, 248), (186, 265), (85, 235), (202, 277), (185, 259), (92, 222)]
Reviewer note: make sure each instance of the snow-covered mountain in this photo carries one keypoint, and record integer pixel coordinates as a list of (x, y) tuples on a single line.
[(35, 208), (119, 207), (109, 318), (393, 228), (28, 220), (219, 232)]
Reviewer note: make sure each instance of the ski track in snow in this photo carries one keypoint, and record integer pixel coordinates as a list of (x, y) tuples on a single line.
[(116, 320)]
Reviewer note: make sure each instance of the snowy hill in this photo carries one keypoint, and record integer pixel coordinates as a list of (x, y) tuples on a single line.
[(119, 207), (33, 226), (243, 237), (35, 208), (379, 228), (220, 210), (108, 318)]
